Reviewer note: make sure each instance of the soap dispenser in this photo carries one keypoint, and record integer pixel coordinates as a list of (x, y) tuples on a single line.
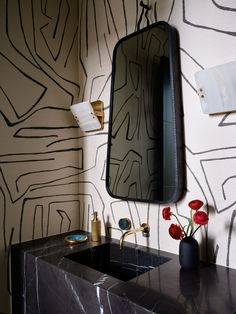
[(96, 228)]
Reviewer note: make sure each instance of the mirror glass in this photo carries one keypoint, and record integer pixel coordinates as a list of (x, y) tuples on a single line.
[(145, 152)]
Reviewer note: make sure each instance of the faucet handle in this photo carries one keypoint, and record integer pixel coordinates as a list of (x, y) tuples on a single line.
[(125, 224)]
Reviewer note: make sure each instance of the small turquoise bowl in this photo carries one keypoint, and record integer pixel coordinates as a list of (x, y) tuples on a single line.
[(75, 238)]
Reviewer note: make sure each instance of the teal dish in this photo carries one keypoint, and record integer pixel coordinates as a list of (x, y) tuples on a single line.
[(76, 238)]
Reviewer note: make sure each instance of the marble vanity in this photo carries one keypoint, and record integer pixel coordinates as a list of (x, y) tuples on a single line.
[(48, 277)]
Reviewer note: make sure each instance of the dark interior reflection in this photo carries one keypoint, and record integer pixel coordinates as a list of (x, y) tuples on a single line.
[(143, 162)]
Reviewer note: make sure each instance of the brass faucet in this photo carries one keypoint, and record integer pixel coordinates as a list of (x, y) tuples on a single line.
[(145, 228)]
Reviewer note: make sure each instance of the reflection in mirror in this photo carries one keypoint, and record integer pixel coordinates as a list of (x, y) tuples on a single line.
[(145, 158)]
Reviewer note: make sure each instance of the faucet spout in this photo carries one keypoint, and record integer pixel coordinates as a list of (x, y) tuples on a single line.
[(145, 228)]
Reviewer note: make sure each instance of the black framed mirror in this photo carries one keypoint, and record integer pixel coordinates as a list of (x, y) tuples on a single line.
[(145, 139)]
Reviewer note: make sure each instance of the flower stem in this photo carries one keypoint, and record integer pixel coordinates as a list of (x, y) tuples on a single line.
[(196, 230), (191, 221), (188, 227), (180, 224)]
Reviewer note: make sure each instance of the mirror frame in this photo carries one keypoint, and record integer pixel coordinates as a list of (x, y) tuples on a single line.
[(175, 85)]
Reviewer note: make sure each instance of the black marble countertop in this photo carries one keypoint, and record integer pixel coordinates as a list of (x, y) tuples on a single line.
[(45, 281)]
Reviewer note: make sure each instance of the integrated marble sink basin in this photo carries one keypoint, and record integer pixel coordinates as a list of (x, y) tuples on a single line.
[(123, 264)]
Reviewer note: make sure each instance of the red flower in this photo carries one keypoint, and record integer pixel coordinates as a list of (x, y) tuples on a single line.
[(176, 232), (195, 204), (200, 218), (166, 213)]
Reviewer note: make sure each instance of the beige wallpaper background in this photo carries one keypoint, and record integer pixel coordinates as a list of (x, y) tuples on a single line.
[(55, 53)]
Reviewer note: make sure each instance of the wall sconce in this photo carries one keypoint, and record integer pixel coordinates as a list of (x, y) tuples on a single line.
[(89, 116), (216, 88)]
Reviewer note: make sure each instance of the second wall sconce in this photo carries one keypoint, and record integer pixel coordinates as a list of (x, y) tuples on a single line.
[(216, 88), (89, 116)]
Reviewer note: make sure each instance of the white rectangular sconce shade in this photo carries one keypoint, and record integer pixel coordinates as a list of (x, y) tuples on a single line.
[(85, 116), (217, 88)]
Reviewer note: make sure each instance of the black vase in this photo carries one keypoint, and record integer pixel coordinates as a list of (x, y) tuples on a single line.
[(188, 253)]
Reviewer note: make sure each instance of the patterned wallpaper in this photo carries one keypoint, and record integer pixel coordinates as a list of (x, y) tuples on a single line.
[(55, 53), (39, 157)]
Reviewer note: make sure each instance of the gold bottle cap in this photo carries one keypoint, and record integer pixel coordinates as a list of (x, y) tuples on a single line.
[(95, 216)]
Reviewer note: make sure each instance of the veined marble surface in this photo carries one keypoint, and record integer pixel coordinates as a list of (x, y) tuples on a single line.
[(45, 281)]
